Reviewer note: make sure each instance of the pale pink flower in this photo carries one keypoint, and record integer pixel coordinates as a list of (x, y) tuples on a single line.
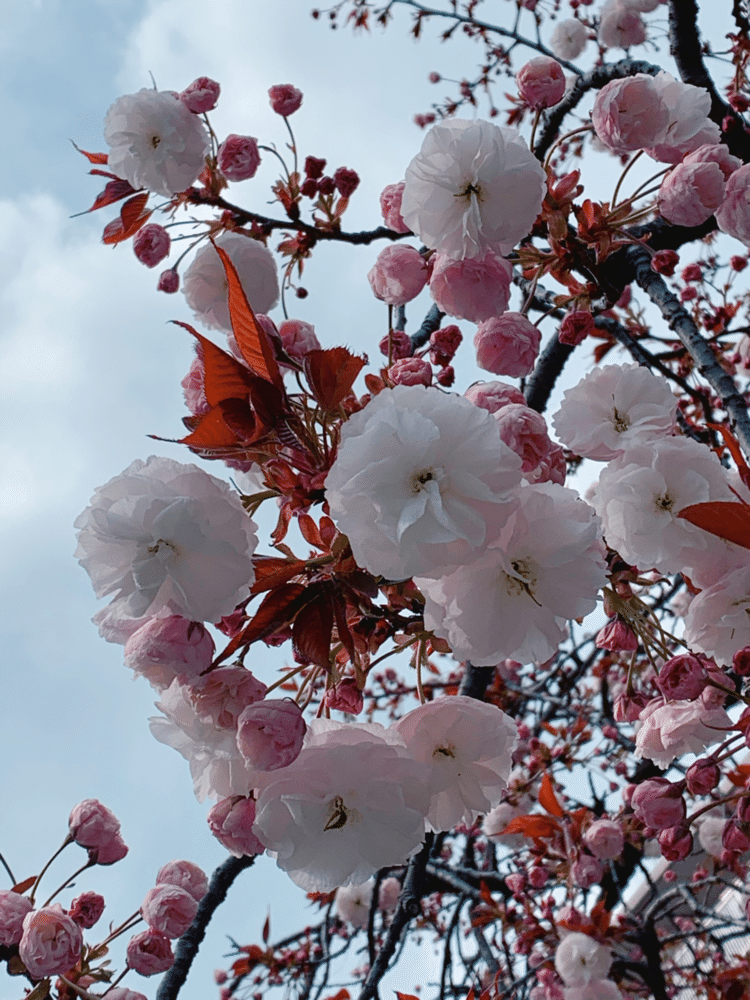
[(220, 696), (733, 217), (167, 534), (169, 909), (285, 99), (201, 95), (596, 989), (51, 942), (691, 193), (205, 282), (658, 803), (579, 959), (390, 890), (605, 839), (92, 825), (612, 409), (398, 275), (466, 746), (545, 566), (541, 82), (494, 395), (718, 620), (86, 909), (238, 157), (507, 345), (390, 207), (498, 818), (270, 733), (620, 26), (688, 126), (149, 953), (715, 153), (151, 244), (710, 833), (155, 142), (231, 822), (682, 677), (473, 186), (417, 474), (410, 371), (552, 469), (678, 727), (13, 909), (351, 803), (353, 903), (525, 432), (169, 647), (630, 114), (640, 494), (186, 875), (586, 871), (110, 853), (475, 289), (298, 338), (568, 39)]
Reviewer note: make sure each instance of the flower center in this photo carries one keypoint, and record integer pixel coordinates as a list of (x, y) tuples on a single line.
[(158, 548), (155, 140), (468, 191), (338, 814), (420, 479), (665, 502), (620, 420), (446, 751)]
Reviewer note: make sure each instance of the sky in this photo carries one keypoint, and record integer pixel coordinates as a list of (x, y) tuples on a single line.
[(89, 366)]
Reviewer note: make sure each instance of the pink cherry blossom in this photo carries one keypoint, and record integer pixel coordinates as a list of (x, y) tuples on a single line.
[(676, 843), (220, 696), (353, 903), (541, 82), (186, 875), (13, 909), (201, 95), (525, 432), (168, 647), (475, 289), (507, 345), (231, 822), (151, 244), (169, 909), (682, 677), (86, 909), (410, 371), (717, 622), (568, 39), (238, 157), (678, 727), (298, 338), (390, 207), (596, 989), (467, 747), (733, 217), (346, 181), (390, 889), (93, 825), (110, 853), (345, 696), (620, 26), (691, 193), (51, 942), (270, 733), (658, 803), (493, 395), (444, 343), (398, 275), (285, 99), (586, 871), (575, 327), (169, 281), (605, 839), (715, 153), (473, 186), (688, 127), (579, 959), (630, 114), (149, 952)]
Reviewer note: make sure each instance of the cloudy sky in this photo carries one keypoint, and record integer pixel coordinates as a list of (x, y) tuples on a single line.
[(89, 366)]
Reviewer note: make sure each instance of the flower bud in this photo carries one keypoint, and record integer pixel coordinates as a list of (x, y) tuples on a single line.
[(169, 281), (410, 371), (238, 157), (201, 96), (676, 843), (605, 839), (231, 822), (658, 803), (151, 244), (682, 677), (285, 99), (541, 82), (702, 777), (149, 953), (270, 733)]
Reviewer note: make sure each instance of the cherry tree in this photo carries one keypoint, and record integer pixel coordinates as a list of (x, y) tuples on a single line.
[(557, 810)]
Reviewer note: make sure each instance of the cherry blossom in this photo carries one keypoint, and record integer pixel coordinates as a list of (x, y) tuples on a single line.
[(231, 822), (620, 26), (675, 728), (569, 38), (169, 646), (51, 942), (507, 344), (718, 620), (13, 909), (238, 157), (688, 127), (473, 187), (186, 875), (733, 217), (169, 909), (476, 288), (398, 275), (691, 193), (155, 142), (353, 903), (579, 959), (541, 82)]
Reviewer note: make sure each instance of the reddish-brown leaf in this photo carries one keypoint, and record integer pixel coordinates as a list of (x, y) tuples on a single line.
[(310, 532), (225, 377), (312, 629), (282, 525), (92, 157), (227, 425), (548, 799), (251, 338), (114, 190), (405, 996), (269, 402), (343, 994), (331, 374), (532, 826), (276, 610), (342, 626), (132, 217), (266, 929), (27, 883), (734, 450), (272, 572), (724, 518)]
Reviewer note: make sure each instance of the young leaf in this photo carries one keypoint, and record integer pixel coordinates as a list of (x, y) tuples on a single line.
[(132, 217), (548, 799), (331, 374), (724, 518), (224, 376), (532, 826)]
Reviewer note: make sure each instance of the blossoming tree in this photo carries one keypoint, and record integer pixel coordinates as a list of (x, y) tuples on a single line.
[(564, 811)]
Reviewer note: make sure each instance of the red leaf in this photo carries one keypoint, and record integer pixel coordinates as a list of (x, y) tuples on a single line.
[(227, 425), (734, 449), (27, 883), (310, 532), (251, 338), (548, 799), (276, 610), (115, 190), (532, 826), (331, 374), (282, 525), (724, 518), (342, 626), (405, 996), (92, 157), (224, 376), (132, 217), (343, 994), (272, 572), (266, 929), (312, 629)]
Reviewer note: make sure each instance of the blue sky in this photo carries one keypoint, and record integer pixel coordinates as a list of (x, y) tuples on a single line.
[(89, 366)]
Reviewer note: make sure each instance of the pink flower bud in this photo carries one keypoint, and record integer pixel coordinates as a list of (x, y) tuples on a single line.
[(220, 697), (444, 343), (86, 909), (741, 662), (51, 942), (735, 838), (586, 871), (345, 697), (525, 432), (314, 167), (507, 345), (201, 96), (298, 338), (13, 908), (476, 289), (285, 99), (326, 185), (93, 825), (665, 262), (538, 876), (658, 803), (628, 709), (691, 193), (186, 875), (390, 207), (390, 889), (492, 395), (231, 822), (676, 843), (620, 26), (541, 82), (151, 244), (682, 677), (169, 909), (149, 953), (270, 733), (109, 853), (617, 636), (399, 344), (410, 371), (702, 777), (169, 281), (238, 157), (605, 839), (516, 883), (309, 188), (346, 181), (398, 275), (167, 648), (446, 376), (575, 327)]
